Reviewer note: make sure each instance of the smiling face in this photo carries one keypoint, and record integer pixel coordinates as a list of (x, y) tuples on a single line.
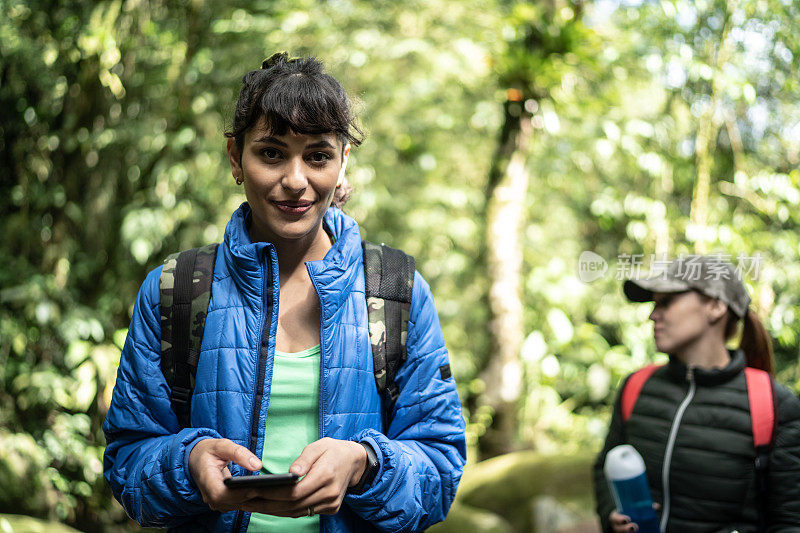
[(289, 181), (684, 320)]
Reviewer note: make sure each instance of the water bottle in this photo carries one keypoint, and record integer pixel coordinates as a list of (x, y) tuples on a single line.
[(627, 478)]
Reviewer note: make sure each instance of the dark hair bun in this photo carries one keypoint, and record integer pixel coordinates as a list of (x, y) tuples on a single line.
[(274, 59), (293, 94)]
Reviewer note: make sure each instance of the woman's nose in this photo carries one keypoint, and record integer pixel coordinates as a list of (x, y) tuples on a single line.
[(295, 178)]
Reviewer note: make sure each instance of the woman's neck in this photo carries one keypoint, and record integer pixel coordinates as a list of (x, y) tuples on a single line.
[(706, 352), (292, 254)]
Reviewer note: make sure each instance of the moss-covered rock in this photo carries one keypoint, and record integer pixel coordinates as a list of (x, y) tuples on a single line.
[(507, 487), (14, 523), (463, 519)]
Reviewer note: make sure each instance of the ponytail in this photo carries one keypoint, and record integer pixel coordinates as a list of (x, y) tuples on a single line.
[(756, 344)]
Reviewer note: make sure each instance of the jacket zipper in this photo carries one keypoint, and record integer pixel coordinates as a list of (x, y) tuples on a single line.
[(673, 433), (321, 427), (261, 368)]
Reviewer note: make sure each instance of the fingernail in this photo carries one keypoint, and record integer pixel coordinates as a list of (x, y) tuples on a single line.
[(255, 463)]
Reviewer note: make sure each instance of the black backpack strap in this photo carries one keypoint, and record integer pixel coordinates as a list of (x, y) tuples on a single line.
[(762, 487), (185, 287), (389, 283)]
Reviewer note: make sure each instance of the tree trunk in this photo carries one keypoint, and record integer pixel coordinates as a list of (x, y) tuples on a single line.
[(706, 133), (505, 213)]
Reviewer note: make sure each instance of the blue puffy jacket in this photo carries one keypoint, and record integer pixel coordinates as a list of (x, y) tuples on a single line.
[(421, 458)]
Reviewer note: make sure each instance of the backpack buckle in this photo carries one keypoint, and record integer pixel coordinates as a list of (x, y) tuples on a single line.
[(180, 394)]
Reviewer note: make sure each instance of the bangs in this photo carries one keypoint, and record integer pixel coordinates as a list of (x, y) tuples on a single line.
[(296, 103)]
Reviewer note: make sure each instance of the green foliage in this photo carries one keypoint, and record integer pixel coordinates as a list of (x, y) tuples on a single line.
[(543, 43), (613, 169)]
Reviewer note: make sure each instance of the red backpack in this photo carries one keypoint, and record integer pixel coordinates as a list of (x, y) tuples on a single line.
[(762, 415)]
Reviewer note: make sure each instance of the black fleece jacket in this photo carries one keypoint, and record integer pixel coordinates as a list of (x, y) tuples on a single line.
[(711, 481)]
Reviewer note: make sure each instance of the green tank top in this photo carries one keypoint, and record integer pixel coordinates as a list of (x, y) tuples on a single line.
[(292, 423)]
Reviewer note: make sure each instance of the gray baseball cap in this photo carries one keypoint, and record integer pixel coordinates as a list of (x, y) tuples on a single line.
[(706, 274)]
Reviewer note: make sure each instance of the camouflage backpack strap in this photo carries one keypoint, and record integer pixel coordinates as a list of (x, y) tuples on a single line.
[(389, 282), (185, 287)]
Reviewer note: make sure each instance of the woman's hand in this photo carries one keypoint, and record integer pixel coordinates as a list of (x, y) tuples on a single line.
[(621, 523), (208, 466), (330, 466)]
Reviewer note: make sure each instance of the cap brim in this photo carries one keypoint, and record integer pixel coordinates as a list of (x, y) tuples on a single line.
[(642, 290)]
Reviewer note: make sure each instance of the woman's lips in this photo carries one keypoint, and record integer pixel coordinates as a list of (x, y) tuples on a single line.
[(294, 207)]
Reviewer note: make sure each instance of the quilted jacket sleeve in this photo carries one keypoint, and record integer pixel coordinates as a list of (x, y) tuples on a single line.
[(146, 458), (784, 470), (423, 455), (602, 493)]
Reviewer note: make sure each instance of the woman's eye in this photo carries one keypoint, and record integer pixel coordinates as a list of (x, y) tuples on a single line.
[(664, 302), (271, 153), (319, 157)]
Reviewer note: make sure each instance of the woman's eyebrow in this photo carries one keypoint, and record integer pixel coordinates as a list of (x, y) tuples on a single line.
[(320, 144), (274, 140), (271, 139)]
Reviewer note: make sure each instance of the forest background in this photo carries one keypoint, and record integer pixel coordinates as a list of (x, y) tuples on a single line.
[(505, 139)]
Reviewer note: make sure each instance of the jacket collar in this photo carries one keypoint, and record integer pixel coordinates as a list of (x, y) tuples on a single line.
[(245, 259), (334, 276), (713, 376)]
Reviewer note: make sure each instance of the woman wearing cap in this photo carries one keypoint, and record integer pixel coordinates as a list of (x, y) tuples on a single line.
[(289, 386), (691, 421)]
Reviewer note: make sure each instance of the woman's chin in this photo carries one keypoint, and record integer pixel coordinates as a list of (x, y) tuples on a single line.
[(663, 347), (288, 230), (289, 235)]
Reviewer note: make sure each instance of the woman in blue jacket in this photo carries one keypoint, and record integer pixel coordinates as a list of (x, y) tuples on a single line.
[(285, 377)]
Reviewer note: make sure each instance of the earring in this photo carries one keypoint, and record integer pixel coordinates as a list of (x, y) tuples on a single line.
[(238, 179)]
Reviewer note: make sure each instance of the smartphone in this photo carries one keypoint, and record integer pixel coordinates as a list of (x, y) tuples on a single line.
[(261, 481)]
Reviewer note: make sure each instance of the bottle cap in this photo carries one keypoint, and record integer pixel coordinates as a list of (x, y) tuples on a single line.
[(623, 462)]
